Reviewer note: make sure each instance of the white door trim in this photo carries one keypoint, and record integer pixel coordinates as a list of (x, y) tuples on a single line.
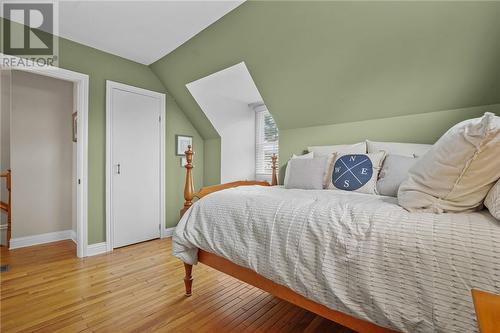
[(82, 87), (109, 169)]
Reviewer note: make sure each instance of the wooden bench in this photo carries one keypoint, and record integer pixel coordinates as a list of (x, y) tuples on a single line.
[(487, 307)]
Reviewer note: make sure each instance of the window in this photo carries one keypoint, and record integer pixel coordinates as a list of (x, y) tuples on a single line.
[(266, 142)]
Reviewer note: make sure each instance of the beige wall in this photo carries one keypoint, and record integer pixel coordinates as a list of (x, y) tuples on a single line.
[(41, 154), (5, 91)]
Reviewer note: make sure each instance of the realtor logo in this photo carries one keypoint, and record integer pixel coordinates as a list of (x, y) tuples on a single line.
[(29, 30)]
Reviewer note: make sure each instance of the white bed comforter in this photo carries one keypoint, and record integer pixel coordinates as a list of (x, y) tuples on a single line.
[(359, 254)]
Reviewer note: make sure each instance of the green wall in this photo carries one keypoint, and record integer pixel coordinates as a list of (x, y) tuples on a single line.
[(177, 123), (358, 68), (330, 62), (418, 128), (211, 163), (101, 66), (326, 62)]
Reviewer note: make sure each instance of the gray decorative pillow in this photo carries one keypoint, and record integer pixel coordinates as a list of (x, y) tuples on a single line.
[(305, 156), (394, 172), (306, 174)]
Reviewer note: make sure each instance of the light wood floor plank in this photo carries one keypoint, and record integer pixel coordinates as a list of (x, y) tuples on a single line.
[(137, 288)]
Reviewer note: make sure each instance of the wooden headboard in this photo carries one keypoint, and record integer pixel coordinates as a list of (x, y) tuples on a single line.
[(190, 194)]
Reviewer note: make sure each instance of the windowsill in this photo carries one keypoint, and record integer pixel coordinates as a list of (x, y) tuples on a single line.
[(263, 177)]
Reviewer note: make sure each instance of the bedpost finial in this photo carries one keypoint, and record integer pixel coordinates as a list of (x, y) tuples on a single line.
[(274, 167), (188, 187), (189, 157)]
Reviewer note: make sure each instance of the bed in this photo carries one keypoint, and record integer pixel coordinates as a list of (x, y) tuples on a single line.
[(357, 259)]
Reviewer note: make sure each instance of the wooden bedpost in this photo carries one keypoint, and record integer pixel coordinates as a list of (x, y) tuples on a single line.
[(188, 201), (188, 279), (188, 188), (189, 195), (274, 179)]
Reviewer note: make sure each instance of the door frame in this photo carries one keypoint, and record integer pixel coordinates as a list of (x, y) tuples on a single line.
[(81, 82), (110, 85)]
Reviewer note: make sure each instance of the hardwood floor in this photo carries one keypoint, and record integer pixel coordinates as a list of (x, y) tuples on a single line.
[(138, 288)]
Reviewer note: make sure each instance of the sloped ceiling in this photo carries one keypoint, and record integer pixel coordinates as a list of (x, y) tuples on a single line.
[(330, 62), (225, 98), (217, 93), (142, 31)]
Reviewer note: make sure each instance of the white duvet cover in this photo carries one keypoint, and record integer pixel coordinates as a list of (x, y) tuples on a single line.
[(356, 253)]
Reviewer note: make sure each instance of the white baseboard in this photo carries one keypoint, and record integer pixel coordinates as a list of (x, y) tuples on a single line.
[(49, 237), (95, 249), (92, 250), (168, 232)]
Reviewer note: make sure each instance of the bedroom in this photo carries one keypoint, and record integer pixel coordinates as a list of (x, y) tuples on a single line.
[(329, 73)]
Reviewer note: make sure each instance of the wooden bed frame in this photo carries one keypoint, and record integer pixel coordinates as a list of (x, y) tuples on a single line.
[(251, 277)]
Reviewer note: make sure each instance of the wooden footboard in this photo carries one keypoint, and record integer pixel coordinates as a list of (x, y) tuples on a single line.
[(251, 277), (190, 194)]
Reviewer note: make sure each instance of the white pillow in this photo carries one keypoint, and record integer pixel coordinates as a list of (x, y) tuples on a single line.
[(356, 172), (458, 171), (357, 148), (308, 155), (305, 156), (492, 201), (306, 173), (394, 172), (397, 148)]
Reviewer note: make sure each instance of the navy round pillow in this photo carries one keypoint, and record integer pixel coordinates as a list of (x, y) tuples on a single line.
[(351, 172)]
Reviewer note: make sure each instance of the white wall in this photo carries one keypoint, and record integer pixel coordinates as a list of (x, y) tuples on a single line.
[(238, 149), (5, 93), (235, 123), (41, 154), (224, 97)]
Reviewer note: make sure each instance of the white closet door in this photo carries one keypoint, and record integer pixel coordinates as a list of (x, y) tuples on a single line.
[(135, 166)]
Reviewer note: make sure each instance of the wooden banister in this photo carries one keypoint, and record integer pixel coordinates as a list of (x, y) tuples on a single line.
[(6, 207), (189, 193)]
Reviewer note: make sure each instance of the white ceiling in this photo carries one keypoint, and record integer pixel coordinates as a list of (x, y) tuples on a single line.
[(234, 83), (143, 31)]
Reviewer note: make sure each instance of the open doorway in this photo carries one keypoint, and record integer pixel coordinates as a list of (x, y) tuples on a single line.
[(46, 151)]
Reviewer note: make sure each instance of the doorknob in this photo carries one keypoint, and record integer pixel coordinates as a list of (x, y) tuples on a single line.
[(118, 168)]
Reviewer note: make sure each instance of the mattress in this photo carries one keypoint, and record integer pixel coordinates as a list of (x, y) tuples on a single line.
[(356, 253)]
